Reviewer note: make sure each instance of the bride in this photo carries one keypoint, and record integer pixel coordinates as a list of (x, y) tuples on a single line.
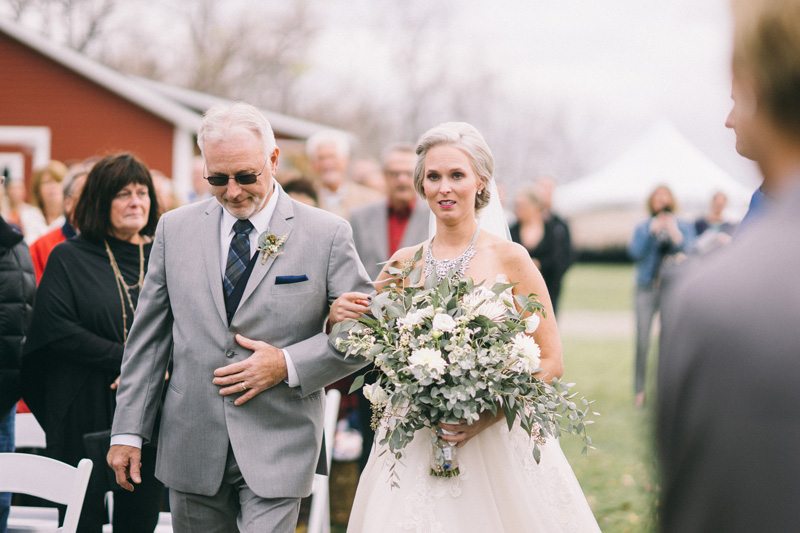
[(501, 488)]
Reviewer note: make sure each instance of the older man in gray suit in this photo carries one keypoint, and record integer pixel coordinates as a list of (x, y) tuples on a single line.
[(237, 291), (382, 228), (729, 376)]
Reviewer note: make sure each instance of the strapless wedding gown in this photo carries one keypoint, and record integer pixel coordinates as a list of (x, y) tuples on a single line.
[(500, 489)]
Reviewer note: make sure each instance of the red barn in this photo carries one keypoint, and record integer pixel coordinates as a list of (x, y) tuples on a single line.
[(56, 103)]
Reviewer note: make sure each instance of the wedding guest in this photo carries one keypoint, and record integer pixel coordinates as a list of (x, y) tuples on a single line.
[(83, 312), (41, 248), (165, 192), (16, 211), (16, 298), (47, 194), (328, 152), (366, 171), (383, 227), (657, 244), (302, 189), (713, 230), (728, 377), (200, 189), (545, 238)]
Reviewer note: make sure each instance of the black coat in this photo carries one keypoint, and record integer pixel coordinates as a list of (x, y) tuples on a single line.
[(17, 287)]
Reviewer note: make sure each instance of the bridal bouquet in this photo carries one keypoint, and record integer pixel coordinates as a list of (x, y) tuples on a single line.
[(450, 350)]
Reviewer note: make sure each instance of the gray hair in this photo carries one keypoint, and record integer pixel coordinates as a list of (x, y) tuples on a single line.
[(220, 119), (467, 139), (338, 139)]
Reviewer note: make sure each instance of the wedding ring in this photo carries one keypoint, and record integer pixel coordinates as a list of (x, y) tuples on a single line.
[(243, 385)]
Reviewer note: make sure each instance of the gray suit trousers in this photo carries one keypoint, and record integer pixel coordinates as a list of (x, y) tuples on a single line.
[(233, 508)]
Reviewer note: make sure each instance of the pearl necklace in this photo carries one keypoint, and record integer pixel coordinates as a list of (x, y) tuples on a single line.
[(455, 267)]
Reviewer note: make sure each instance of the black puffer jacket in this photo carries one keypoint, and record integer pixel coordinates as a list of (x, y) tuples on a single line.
[(17, 286)]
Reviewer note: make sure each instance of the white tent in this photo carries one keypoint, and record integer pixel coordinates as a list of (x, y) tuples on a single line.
[(661, 156), (604, 206)]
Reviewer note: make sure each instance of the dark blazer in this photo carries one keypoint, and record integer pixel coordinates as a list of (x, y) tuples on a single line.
[(17, 287), (729, 385), (371, 233)]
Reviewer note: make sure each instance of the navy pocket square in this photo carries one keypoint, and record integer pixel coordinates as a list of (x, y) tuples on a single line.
[(284, 280)]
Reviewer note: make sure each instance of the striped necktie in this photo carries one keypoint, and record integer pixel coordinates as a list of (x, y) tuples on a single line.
[(238, 255)]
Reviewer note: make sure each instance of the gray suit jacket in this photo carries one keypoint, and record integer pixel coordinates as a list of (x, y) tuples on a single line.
[(371, 233), (729, 385), (276, 437)]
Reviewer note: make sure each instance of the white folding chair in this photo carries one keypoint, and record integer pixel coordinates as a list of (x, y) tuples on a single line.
[(46, 478), (319, 517), (28, 433)]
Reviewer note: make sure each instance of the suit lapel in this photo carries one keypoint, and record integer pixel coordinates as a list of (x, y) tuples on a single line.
[(380, 233), (280, 225), (211, 249)]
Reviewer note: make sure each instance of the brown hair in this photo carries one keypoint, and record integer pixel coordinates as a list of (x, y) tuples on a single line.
[(767, 51), (107, 177)]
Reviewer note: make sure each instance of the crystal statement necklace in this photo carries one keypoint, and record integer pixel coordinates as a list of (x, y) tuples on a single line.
[(455, 267)]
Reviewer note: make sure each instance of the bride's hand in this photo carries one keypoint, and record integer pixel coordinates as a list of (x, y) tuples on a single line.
[(349, 305), (460, 434)]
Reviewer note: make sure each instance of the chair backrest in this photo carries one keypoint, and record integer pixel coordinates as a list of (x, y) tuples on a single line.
[(319, 516), (332, 399), (47, 478)]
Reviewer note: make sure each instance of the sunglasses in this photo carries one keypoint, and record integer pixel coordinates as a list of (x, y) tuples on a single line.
[(221, 180)]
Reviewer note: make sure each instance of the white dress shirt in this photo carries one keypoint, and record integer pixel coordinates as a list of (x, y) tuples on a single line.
[(260, 223)]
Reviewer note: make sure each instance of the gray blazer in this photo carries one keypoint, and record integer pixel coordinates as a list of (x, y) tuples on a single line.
[(729, 385), (276, 436), (371, 232)]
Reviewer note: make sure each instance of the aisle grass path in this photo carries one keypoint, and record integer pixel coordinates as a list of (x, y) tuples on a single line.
[(618, 477)]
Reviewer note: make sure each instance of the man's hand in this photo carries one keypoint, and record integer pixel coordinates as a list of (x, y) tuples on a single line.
[(126, 462), (265, 368)]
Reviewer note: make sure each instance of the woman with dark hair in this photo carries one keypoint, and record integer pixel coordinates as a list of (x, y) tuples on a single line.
[(83, 312), (657, 242)]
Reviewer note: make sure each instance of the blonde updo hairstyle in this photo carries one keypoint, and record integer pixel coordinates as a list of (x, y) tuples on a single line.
[(467, 139)]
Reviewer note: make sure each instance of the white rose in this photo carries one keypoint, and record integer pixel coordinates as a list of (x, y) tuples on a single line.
[(532, 323), (527, 349), (444, 322), (375, 394), (428, 358)]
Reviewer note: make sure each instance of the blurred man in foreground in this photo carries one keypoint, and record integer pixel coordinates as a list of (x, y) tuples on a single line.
[(730, 356)]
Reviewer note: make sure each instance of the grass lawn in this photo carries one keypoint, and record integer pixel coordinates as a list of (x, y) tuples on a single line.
[(598, 287), (618, 477)]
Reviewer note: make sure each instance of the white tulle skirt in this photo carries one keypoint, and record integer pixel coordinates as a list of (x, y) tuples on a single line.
[(500, 489)]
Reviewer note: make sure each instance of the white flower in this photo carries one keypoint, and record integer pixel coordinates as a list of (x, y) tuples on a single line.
[(428, 358), (443, 322), (416, 317), (375, 394), (531, 323), (526, 349), (482, 301)]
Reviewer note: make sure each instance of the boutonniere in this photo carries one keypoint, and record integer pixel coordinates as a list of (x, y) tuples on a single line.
[(270, 245)]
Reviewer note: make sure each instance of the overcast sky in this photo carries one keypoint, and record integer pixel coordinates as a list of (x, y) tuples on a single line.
[(625, 63)]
